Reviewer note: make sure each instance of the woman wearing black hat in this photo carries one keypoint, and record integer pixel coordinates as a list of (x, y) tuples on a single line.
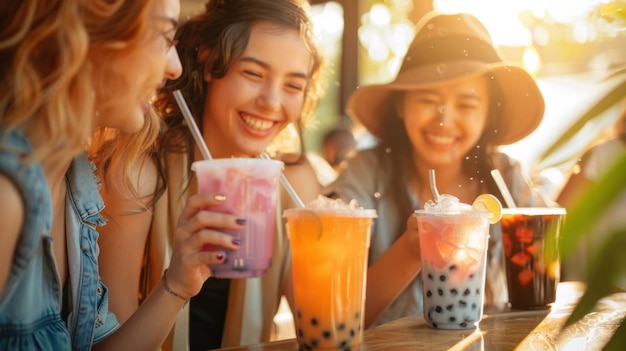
[(453, 102)]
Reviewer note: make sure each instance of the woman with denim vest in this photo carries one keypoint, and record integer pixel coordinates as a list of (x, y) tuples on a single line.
[(69, 66)]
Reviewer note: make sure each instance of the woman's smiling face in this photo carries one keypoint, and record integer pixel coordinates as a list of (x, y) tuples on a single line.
[(445, 121), (262, 92)]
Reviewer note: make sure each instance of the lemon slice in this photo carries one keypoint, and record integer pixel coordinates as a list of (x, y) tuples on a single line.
[(489, 203)]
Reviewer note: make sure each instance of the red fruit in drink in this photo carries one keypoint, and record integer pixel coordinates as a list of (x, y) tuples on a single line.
[(525, 277), (520, 259), (524, 235)]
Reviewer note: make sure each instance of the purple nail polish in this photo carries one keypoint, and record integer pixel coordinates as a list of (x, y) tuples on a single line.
[(241, 221), (236, 241)]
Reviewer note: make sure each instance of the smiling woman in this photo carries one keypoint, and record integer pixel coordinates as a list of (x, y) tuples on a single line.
[(249, 71)]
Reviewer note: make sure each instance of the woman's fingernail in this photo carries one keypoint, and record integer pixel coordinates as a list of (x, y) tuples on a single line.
[(241, 221), (236, 241), (219, 197), (220, 256)]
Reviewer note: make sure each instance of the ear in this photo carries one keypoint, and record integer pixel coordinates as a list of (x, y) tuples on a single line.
[(203, 54)]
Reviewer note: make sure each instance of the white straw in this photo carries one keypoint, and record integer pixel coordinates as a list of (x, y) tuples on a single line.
[(192, 125), (207, 154), (504, 190), (286, 185), (433, 184)]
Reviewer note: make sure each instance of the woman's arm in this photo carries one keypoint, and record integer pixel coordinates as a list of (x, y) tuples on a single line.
[(148, 327), (123, 239), (11, 217), (392, 273)]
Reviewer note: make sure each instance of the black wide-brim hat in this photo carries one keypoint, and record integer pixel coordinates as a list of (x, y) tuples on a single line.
[(449, 47)]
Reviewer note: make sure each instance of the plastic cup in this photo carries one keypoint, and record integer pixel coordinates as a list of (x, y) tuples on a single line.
[(251, 187), (453, 247), (530, 238), (329, 263)]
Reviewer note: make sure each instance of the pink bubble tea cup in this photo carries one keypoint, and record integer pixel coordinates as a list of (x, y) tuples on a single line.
[(251, 187)]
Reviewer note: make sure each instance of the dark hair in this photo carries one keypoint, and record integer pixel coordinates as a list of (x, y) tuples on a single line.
[(224, 29), (477, 165)]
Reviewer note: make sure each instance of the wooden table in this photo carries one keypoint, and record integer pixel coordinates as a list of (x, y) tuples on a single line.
[(507, 330)]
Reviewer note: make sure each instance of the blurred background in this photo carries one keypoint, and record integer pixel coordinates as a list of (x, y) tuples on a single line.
[(575, 48)]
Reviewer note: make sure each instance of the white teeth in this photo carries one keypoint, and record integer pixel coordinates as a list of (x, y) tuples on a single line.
[(440, 139), (257, 124)]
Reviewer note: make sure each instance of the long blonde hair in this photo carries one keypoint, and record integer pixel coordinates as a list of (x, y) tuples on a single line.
[(49, 52)]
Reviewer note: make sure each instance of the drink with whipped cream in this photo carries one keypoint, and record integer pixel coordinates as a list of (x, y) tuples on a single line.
[(453, 242)]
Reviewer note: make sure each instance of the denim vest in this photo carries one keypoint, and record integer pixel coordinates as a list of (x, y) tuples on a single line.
[(31, 302)]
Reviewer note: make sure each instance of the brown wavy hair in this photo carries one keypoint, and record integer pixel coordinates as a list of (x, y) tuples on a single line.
[(224, 28)]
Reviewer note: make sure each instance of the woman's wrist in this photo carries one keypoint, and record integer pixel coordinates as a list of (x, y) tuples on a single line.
[(169, 290)]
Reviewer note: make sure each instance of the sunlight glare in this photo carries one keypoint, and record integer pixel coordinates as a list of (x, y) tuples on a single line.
[(380, 15)]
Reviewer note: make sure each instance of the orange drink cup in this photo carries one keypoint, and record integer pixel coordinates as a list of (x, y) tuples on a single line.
[(329, 262)]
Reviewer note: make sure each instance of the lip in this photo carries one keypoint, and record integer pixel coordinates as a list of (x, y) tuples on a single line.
[(440, 142)]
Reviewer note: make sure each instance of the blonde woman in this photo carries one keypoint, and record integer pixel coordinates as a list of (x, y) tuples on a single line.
[(70, 66)]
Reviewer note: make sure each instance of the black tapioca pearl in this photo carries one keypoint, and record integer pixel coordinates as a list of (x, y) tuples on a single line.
[(449, 307), (474, 306), (471, 276), (466, 292), (341, 327), (453, 268), (357, 315), (299, 314), (462, 303), (452, 319), (314, 342), (440, 292), (454, 292), (300, 332), (430, 276), (477, 291), (307, 347), (438, 309), (313, 321), (352, 333), (463, 324), (326, 334), (442, 278), (429, 293), (343, 344), (435, 325)]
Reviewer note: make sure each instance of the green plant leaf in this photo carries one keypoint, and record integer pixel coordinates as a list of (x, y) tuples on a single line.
[(594, 201), (606, 266)]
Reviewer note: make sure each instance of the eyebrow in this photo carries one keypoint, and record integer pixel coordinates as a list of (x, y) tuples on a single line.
[(463, 95), (266, 66)]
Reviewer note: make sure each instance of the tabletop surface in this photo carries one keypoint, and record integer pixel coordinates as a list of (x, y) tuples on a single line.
[(508, 330)]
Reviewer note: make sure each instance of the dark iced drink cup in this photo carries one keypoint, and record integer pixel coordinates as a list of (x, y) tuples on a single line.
[(530, 239)]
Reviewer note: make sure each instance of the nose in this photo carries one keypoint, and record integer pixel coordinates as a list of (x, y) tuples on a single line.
[(445, 114), (269, 96), (173, 66)]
